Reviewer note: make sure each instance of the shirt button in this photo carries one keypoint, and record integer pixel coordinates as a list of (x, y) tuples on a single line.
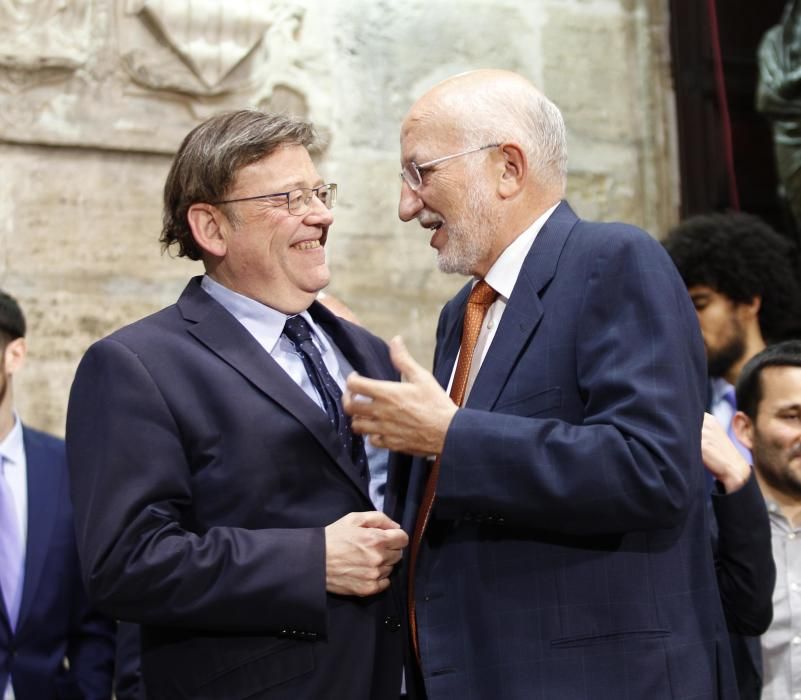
[(796, 640), (796, 696), (794, 586), (791, 536)]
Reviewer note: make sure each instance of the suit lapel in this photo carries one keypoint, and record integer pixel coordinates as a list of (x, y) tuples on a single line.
[(358, 353), (45, 485), (451, 339), (523, 310), (223, 335)]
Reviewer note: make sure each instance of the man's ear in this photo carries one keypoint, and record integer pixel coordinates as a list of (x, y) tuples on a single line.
[(750, 309), (206, 223), (15, 353), (743, 428), (515, 170)]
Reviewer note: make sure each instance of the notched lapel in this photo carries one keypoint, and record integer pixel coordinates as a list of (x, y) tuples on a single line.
[(452, 339), (520, 319), (359, 354), (524, 309), (223, 335)]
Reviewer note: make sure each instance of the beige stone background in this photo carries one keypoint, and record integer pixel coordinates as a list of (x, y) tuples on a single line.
[(95, 96)]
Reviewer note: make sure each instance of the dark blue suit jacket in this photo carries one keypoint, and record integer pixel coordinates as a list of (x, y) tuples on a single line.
[(203, 477), (55, 621), (568, 555)]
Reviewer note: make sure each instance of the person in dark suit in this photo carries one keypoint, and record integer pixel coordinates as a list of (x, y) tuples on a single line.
[(560, 546), (52, 644), (222, 501), (744, 563)]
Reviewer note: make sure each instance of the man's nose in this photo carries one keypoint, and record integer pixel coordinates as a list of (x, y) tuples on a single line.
[(318, 213), (410, 202)]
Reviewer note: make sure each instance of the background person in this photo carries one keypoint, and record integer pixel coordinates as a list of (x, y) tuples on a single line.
[(769, 424), (745, 283), (52, 645)]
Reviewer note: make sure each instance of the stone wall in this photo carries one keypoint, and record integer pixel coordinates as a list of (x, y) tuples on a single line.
[(95, 96)]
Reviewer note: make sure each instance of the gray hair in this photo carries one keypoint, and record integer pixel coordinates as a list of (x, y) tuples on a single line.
[(209, 158), (514, 111)]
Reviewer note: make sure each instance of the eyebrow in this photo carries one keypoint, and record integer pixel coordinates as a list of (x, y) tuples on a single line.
[(293, 185), (301, 184)]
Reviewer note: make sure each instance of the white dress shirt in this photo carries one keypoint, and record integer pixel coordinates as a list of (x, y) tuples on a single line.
[(502, 277)]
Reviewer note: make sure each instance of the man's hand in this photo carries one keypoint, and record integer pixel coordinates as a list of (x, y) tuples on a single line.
[(410, 416), (360, 551), (721, 457)]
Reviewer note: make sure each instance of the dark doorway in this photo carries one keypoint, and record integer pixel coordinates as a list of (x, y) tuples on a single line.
[(704, 175)]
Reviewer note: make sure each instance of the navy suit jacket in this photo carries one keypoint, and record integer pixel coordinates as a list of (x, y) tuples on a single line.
[(203, 478), (54, 621), (568, 554)]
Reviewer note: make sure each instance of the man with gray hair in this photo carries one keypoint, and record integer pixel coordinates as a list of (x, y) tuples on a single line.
[(221, 499), (559, 544)]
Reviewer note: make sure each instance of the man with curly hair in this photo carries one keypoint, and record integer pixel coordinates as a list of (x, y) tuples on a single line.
[(744, 282), (742, 278)]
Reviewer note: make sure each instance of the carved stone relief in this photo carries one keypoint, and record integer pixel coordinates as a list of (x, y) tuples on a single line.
[(44, 33), (139, 74)]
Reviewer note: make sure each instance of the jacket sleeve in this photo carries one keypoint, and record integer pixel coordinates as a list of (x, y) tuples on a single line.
[(744, 559), (132, 497)]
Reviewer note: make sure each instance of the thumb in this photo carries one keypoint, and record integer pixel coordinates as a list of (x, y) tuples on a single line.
[(403, 360), (374, 518)]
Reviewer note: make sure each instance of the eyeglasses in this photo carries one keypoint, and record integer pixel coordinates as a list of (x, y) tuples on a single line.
[(412, 173), (297, 201)]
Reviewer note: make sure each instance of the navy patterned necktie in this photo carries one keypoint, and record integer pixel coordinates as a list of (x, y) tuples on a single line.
[(300, 333)]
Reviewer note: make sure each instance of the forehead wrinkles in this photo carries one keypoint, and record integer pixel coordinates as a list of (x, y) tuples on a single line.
[(424, 127)]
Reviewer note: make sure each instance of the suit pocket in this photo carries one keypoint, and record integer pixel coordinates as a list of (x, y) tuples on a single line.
[(587, 640), (530, 404)]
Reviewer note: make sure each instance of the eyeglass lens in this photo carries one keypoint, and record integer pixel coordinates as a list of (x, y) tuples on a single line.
[(412, 176), (299, 200)]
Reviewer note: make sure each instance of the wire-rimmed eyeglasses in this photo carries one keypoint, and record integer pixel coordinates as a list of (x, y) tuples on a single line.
[(298, 201), (412, 173)]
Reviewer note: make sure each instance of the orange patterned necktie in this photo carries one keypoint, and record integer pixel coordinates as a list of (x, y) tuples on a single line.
[(481, 298)]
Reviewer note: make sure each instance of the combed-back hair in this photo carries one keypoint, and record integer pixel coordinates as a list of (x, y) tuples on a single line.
[(205, 167), (749, 383), (742, 257)]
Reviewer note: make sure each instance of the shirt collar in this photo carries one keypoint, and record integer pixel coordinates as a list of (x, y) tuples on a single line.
[(264, 322), (504, 272), (12, 449), (719, 388)]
